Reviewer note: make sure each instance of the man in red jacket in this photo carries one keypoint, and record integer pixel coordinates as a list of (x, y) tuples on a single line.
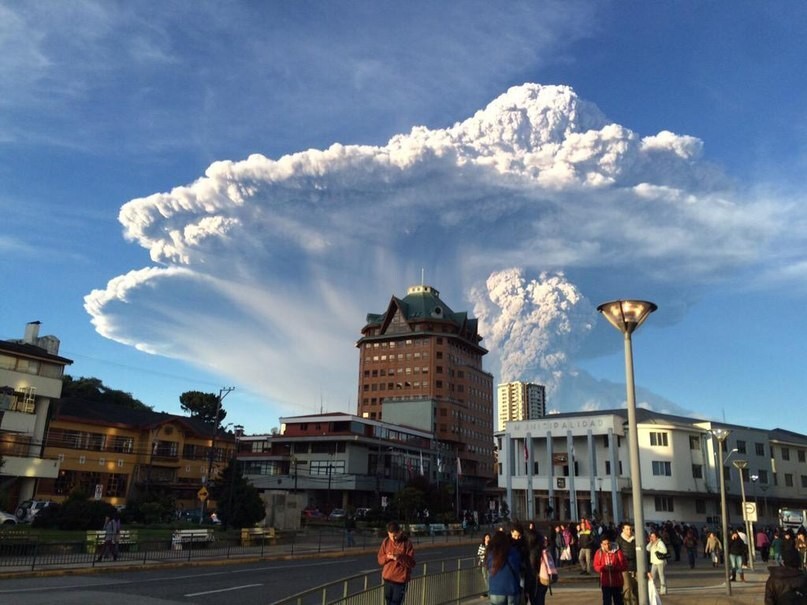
[(610, 563), (396, 558)]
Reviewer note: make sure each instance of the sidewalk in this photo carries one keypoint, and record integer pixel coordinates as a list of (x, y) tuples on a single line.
[(701, 586)]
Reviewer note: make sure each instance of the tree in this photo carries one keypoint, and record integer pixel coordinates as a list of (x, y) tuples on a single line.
[(92, 389), (202, 405), (239, 503)]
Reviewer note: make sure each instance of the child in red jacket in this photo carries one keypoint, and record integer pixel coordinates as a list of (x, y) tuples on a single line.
[(610, 563)]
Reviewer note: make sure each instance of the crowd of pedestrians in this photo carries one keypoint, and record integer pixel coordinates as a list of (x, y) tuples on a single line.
[(519, 563)]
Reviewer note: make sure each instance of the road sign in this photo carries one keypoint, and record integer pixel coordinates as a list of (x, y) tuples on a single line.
[(750, 513), (202, 493)]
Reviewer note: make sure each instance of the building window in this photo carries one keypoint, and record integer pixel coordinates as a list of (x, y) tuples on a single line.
[(662, 468), (760, 449), (763, 477), (605, 441), (700, 506), (664, 504), (658, 439), (788, 479), (608, 467), (740, 446), (785, 453), (801, 455), (804, 480), (697, 471), (694, 442)]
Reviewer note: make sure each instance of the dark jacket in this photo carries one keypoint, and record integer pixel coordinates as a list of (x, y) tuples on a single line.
[(628, 548), (782, 580), (737, 546)]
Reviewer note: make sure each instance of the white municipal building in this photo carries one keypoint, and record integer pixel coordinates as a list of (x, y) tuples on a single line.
[(574, 465)]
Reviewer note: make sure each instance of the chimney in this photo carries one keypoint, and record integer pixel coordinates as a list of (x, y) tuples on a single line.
[(31, 332)]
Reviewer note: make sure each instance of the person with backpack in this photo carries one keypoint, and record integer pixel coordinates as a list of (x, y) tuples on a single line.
[(787, 584), (627, 544)]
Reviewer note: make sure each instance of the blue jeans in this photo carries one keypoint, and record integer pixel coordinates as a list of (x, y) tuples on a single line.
[(394, 593), (504, 599), (736, 563)]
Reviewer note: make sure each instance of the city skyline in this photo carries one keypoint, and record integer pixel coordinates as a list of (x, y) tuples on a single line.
[(198, 197)]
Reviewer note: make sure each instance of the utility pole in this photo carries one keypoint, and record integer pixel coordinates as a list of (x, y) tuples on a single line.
[(223, 392)]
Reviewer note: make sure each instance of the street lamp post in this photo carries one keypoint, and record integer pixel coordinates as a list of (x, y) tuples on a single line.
[(721, 435), (626, 316), (239, 431), (741, 465)]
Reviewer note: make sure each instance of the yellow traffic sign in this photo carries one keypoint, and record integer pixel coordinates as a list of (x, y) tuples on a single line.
[(202, 493)]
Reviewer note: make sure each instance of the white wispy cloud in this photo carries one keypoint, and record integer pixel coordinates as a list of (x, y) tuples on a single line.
[(527, 211)]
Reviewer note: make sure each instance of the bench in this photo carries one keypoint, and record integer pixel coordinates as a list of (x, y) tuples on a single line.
[(437, 528), (418, 529), (180, 537), (455, 528), (256, 534), (126, 537)]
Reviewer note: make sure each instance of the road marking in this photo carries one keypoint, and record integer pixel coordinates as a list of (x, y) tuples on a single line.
[(98, 582), (199, 594)]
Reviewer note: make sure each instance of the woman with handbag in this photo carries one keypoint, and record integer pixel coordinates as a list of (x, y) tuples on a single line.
[(547, 575), (658, 561)]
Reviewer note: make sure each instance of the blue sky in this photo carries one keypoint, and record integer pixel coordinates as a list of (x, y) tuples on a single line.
[(198, 194)]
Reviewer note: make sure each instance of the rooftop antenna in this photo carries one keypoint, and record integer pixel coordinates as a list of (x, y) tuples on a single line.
[(422, 276)]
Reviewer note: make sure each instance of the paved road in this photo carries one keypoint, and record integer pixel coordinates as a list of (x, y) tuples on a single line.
[(263, 582), (254, 583)]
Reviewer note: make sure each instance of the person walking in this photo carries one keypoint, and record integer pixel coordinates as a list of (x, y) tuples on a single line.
[(763, 544), (396, 556), (585, 542), (627, 544), (691, 546), (736, 551), (111, 535), (658, 561), (504, 563), (713, 548), (481, 557), (609, 562)]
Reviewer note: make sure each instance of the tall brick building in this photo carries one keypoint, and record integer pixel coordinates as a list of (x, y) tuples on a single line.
[(420, 365)]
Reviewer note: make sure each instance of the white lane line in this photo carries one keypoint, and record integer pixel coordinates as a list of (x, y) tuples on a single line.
[(198, 594), (95, 582)]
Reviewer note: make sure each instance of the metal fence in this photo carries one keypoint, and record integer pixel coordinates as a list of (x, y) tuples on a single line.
[(432, 583), (21, 550)]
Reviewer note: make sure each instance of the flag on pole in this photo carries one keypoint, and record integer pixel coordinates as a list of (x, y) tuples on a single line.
[(439, 464), (526, 452), (421, 464), (459, 467)]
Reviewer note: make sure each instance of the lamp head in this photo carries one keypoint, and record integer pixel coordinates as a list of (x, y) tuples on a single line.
[(740, 464), (721, 434), (626, 315)]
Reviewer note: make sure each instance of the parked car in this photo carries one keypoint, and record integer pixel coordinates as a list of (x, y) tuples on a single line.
[(362, 511), (28, 509), (7, 518), (312, 512), (337, 514)]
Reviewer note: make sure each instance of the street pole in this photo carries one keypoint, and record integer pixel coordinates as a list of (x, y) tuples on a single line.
[(626, 316), (223, 392), (239, 430), (740, 465), (722, 435)]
